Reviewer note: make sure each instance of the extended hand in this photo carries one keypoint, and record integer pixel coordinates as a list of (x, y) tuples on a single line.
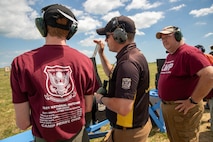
[(101, 46)]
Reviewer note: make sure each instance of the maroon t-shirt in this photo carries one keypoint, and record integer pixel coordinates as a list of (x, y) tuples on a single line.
[(178, 75), (54, 79)]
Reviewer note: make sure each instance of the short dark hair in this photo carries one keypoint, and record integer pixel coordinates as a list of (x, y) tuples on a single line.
[(58, 32), (200, 47), (131, 36)]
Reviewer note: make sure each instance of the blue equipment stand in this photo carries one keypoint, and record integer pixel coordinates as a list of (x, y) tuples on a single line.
[(26, 136), (155, 110)]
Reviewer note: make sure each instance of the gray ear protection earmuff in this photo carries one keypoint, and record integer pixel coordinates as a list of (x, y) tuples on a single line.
[(178, 35), (119, 33), (42, 26)]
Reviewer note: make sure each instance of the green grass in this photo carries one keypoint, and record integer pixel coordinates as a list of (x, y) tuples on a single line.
[(7, 116), (152, 68)]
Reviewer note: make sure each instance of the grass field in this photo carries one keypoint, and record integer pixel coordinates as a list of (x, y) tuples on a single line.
[(7, 118)]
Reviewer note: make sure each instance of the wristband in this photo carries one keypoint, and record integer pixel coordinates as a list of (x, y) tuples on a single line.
[(192, 101), (101, 100)]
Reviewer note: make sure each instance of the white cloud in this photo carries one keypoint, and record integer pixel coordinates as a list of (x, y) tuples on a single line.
[(142, 4), (110, 15), (32, 2), (176, 8), (173, 1), (88, 42), (125, 0), (147, 19), (202, 12), (208, 34), (200, 23), (139, 32), (101, 6), (87, 23), (77, 13), (142, 20), (17, 20)]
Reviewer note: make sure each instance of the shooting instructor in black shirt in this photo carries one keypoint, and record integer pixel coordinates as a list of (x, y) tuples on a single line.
[(127, 100)]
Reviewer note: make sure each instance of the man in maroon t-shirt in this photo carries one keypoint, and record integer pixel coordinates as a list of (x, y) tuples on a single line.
[(185, 79), (53, 86)]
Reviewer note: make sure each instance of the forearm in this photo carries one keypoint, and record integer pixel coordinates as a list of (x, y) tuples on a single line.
[(118, 105), (22, 111), (107, 67), (88, 103), (204, 86), (112, 104)]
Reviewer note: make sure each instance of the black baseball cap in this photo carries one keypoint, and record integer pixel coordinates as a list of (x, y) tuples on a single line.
[(127, 24), (56, 11), (200, 47)]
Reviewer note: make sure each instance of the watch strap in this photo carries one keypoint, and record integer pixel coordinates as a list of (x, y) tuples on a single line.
[(192, 101)]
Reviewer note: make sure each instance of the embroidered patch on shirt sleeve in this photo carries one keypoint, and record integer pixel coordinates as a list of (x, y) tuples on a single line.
[(126, 83)]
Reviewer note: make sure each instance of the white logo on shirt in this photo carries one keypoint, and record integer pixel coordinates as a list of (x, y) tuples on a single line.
[(126, 83), (166, 69), (59, 83)]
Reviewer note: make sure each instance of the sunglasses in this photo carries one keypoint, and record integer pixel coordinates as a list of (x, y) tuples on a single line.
[(107, 35)]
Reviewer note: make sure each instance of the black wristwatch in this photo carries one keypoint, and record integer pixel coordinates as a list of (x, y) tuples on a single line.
[(192, 101)]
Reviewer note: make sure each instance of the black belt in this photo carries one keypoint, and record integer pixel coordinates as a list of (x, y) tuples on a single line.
[(125, 128)]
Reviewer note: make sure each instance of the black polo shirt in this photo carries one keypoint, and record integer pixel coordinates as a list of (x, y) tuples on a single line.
[(130, 80)]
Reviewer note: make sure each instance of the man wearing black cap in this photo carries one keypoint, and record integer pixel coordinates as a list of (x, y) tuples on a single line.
[(51, 88), (185, 79), (127, 101)]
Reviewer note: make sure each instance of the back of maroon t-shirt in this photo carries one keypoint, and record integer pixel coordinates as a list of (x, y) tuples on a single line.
[(54, 79)]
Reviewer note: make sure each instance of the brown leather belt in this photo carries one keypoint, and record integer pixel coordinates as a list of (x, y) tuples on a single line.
[(168, 102)]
